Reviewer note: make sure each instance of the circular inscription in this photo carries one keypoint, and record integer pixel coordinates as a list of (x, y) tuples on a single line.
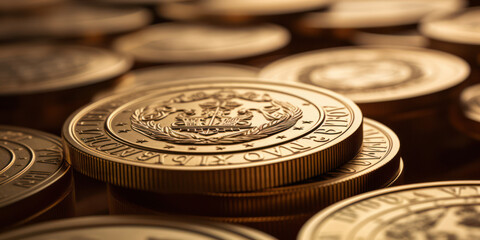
[(41, 67), (215, 125), (377, 13), (133, 227), (373, 74), (29, 162), (447, 210), (182, 42), (459, 27)]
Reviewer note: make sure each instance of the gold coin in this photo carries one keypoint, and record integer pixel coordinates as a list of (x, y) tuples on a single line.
[(458, 27), (74, 20), (376, 13), (213, 135), (190, 10), (152, 75), (435, 210), (26, 5), (382, 80), (34, 177), (410, 38), (376, 165), (466, 116), (133, 227), (195, 42)]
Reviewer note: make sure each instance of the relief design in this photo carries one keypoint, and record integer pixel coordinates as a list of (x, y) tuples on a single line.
[(450, 223), (219, 117)]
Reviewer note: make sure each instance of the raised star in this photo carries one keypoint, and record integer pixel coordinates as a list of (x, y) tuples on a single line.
[(298, 128), (281, 137), (306, 104), (168, 146), (220, 148), (141, 141), (123, 130), (192, 148), (248, 145), (120, 124), (307, 122)]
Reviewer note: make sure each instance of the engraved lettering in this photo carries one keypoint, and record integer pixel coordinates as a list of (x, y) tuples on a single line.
[(52, 155), (31, 178), (253, 156)]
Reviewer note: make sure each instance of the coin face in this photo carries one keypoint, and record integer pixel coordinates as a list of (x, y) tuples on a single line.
[(376, 13), (189, 42), (434, 210), (33, 68), (460, 27), (373, 74), (153, 75), (135, 228), (214, 126), (74, 20), (30, 162)]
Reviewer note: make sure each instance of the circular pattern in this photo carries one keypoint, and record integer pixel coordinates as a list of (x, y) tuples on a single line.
[(34, 68), (377, 13), (213, 135), (373, 74), (419, 211), (74, 20), (32, 164), (460, 27), (376, 165), (133, 227), (184, 42), (153, 75)]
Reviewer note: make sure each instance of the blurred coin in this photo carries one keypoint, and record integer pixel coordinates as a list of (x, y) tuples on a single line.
[(34, 177), (350, 14), (152, 75), (466, 116), (213, 135), (22, 5), (133, 227), (48, 81), (408, 38), (457, 33), (382, 80), (184, 42), (376, 165), (435, 210), (74, 20)]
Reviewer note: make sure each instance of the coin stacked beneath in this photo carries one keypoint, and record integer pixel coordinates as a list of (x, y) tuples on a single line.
[(35, 181), (246, 151)]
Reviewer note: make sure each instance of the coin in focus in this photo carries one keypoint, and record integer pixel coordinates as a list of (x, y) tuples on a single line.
[(419, 211), (35, 180), (133, 227), (377, 165), (213, 135)]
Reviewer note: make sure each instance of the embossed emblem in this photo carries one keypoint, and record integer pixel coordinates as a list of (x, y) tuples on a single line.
[(222, 117)]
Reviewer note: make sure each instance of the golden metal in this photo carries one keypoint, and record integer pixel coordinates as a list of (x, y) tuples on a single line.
[(425, 210), (213, 135)]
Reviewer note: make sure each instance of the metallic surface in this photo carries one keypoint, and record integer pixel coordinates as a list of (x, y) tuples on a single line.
[(34, 177), (375, 166), (417, 211), (218, 134), (382, 80), (194, 42), (133, 227)]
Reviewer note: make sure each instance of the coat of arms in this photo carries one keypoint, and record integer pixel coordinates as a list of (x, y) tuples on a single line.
[(221, 117)]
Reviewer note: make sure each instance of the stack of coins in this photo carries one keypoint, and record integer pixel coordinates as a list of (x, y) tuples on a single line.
[(250, 152), (35, 181)]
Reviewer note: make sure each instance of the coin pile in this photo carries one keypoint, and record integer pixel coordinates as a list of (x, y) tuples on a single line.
[(188, 119)]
